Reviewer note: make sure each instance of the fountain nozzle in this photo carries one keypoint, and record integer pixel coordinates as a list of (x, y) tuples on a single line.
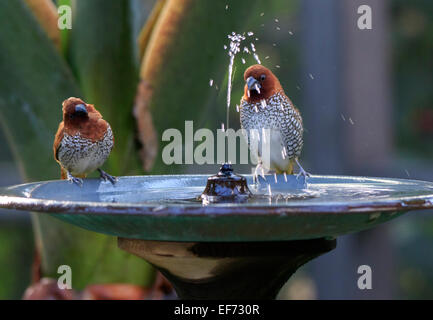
[(225, 186)]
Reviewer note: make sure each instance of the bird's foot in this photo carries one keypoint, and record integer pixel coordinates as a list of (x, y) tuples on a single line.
[(75, 180), (302, 172), (106, 177)]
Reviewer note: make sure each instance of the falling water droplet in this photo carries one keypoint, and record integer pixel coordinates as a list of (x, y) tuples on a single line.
[(234, 48), (257, 58), (253, 48), (257, 88), (235, 43), (256, 134)]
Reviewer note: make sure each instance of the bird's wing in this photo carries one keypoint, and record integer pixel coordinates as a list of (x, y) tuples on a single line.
[(291, 129), (251, 134), (58, 140)]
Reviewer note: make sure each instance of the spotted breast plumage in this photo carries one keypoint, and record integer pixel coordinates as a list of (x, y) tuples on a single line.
[(83, 141), (272, 124)]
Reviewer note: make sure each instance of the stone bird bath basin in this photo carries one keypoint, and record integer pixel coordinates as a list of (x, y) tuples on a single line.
[(224, 250)]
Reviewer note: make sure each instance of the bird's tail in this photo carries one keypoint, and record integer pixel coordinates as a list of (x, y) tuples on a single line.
[(63, 173), (288, 170)]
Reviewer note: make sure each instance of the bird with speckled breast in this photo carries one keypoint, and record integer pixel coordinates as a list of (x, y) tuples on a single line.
[(269, 117), (83, 142)]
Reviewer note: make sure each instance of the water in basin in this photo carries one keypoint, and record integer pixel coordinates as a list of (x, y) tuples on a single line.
[(184, 189)]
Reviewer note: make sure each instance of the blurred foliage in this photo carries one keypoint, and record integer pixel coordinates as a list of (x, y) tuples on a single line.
[(412, 27), (412, 49), (16, 255), (413, 239), (45, 11)]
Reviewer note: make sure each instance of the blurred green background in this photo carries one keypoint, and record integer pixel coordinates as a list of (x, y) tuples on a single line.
[(366, 97)]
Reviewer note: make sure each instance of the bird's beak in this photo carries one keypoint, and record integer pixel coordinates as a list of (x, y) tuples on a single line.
[(253, 84), (80, 108)]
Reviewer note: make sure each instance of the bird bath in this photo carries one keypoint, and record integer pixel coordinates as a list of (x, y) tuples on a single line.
[(245, 249)]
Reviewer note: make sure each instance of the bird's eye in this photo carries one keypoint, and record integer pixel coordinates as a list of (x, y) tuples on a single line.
[(262, 77)]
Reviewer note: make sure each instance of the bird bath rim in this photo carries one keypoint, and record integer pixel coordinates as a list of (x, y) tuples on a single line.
[(216, 222), (19, 197)]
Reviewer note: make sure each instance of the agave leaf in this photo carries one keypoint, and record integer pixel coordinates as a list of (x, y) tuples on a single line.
[(35, 80), (146, 31), (45, 12)]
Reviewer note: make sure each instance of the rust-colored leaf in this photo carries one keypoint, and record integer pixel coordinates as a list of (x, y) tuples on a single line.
[(146, 131), (165, 29), (46, 13), (146, 32)]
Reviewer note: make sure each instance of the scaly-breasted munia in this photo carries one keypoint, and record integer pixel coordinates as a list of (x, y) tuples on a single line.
[(83, 141), (265, 106)]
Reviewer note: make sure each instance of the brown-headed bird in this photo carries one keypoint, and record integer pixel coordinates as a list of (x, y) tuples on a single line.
[(272, 124), (83, 141)]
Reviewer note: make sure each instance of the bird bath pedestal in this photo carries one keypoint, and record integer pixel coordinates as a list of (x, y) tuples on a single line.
[(232, 270), (225, 250)]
